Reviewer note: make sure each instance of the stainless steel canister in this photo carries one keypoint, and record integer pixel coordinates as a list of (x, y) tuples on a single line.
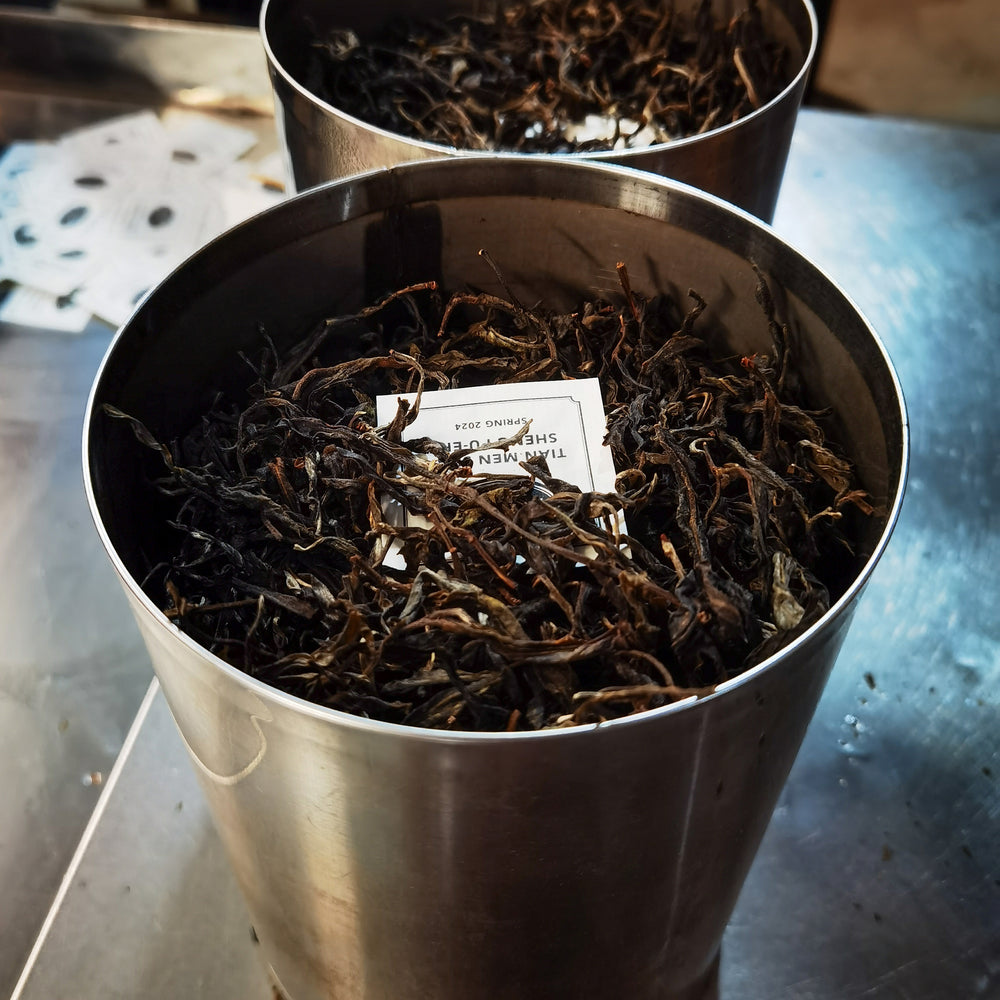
[(381, 862), (741, 162)]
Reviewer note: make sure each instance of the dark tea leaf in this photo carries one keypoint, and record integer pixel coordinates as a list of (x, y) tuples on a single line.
[(519, 607), (554, 76)]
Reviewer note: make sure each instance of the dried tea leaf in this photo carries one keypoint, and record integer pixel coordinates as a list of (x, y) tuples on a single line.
[(519, 607), (554, 76)]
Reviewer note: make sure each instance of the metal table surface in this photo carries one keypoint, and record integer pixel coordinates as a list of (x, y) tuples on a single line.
[(879, 876), (72, 667)]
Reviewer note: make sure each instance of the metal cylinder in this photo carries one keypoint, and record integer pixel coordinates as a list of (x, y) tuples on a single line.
[(381, 862), (741, 162)]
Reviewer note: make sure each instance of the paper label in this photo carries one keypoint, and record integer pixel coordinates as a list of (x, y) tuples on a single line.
[(567, 427)]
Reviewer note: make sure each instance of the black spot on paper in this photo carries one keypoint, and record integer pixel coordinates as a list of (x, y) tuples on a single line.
[(184, 156), (90, 181), (73, 216), (161, 216)]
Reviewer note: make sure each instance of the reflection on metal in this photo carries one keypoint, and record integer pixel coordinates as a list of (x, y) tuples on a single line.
[(129, 60), (96, 817)]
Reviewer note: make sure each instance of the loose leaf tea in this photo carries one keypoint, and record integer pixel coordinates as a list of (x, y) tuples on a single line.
[(554, 76), (520, 605)]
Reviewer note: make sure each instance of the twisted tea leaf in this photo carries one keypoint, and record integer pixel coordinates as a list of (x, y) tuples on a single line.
[(519, 607), (554, 76)]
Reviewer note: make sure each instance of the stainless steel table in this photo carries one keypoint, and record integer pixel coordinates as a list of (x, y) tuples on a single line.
[(72, 668), (879, 876)]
